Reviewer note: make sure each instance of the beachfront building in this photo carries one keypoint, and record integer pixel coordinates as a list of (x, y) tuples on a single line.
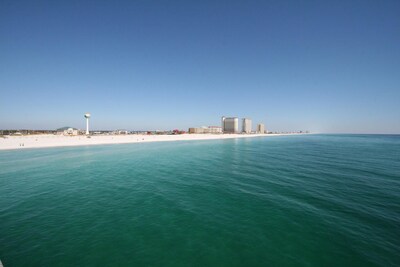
[(260, 128), (71, 132), (194, 130), (205, 130), (119, 132), (246, 125), (230, 125), (67, 131), (215, 129)]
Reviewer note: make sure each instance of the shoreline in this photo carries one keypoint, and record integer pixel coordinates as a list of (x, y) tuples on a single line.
[(48, 141)]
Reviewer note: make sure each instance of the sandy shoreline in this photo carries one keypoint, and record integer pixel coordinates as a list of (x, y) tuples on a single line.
[(42, 141)]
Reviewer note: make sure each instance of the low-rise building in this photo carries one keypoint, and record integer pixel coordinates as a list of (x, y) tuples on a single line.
[(196, 130), (67, 131), (71, 132), (121, 132), (215, 129), (205, 130)]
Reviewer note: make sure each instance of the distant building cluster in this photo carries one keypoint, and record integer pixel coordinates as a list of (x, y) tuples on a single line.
[(230, 125)]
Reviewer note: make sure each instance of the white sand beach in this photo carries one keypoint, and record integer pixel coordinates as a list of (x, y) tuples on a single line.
[(41, 141)]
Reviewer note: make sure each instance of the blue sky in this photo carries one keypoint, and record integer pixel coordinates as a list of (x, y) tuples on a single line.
[(325, 66)]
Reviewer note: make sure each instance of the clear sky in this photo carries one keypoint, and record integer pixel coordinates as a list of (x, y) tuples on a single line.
[(325, 66)]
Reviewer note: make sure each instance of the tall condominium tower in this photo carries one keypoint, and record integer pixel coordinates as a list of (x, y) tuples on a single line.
[(246, 125), (230, 125), (260, 128)]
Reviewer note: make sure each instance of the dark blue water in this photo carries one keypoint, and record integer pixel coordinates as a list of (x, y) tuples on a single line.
[(312, 200)]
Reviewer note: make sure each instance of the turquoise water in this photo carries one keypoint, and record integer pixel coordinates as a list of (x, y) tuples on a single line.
[(314, 200)]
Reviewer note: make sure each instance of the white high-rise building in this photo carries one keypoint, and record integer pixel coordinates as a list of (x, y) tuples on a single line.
[(230, 125), (260, 128), (246, 125)]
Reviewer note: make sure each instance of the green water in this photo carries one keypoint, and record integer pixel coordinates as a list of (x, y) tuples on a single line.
[(314, 200)]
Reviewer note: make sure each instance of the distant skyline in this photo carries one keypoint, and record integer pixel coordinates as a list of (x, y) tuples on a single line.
[(323, 66)]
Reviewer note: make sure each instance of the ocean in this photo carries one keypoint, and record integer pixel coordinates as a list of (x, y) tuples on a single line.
[(306, 200)]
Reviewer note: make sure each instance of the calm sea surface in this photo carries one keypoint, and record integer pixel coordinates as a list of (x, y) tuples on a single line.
[(313, 200)]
